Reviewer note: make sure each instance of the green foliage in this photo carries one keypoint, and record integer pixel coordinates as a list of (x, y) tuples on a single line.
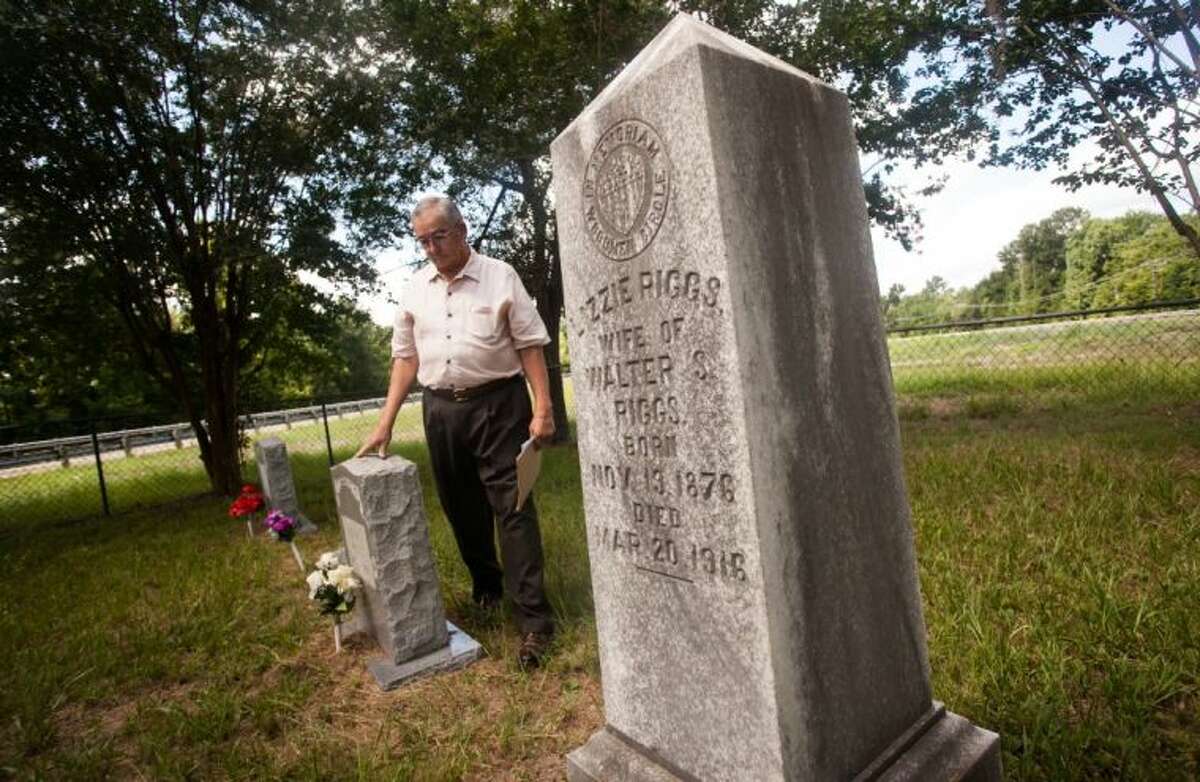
[(1157, 265), (488, 86), (1068, 261), (63, 354), (1090, 250), (1033, 264), (332, 356), (1056, 74), (180, 167)]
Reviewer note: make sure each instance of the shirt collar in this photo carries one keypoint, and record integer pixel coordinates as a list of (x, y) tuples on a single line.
[(471, 269)]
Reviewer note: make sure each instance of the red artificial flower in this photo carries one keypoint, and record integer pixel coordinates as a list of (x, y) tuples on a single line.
[(244, 505), (250, 501)]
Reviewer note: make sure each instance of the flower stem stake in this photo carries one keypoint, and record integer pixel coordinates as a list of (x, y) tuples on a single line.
[(249, 502), (332, 586), (283, 528)]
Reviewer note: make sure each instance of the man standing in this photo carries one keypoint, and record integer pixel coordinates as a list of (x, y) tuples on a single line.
[(466, 329)]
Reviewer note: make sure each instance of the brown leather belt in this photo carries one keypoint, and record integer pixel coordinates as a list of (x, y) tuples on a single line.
[(467, 394)]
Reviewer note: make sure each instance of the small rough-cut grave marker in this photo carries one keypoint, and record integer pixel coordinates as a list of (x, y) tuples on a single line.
[(386, 540), (275, 475)]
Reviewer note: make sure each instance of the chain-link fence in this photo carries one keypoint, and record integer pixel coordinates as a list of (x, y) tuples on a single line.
[(1142, 354), (77, 468), (1146, 355)]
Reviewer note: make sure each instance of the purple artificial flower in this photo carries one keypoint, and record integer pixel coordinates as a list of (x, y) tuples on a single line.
[(280, 524)]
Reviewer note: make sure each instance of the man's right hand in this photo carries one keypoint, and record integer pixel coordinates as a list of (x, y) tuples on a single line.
[(404, 370), (377, 441)]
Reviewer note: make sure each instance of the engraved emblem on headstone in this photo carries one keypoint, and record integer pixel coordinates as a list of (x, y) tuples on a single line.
[(626, 188)]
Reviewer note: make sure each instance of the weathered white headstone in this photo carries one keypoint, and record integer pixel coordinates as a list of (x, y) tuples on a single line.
[(385, 537), (275, 474), (751, 549)]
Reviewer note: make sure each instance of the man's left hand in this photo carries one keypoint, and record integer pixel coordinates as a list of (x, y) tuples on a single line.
[(541, 428)]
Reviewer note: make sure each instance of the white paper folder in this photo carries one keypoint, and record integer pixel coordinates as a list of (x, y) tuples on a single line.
[(529, 464)]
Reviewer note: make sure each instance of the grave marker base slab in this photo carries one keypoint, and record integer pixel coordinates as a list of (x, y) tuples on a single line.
[(940, 747), (459, 653), (607, 756)]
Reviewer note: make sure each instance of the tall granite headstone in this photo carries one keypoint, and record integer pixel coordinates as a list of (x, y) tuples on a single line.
[(385, 536), (275, 474), (751, 549)]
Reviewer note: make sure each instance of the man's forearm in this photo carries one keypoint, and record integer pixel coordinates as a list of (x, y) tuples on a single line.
[(404, 371), (533, 361)]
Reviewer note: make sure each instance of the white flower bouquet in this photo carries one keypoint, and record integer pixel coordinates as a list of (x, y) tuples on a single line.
[(332, 585)]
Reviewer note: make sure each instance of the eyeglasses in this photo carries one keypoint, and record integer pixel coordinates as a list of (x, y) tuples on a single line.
[(437, 237)]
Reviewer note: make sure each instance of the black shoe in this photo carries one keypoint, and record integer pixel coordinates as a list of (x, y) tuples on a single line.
[(533, 649), (488, 601)]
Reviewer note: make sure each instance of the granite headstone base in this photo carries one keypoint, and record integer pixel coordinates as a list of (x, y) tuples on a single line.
[(460, 652), (940, 747)]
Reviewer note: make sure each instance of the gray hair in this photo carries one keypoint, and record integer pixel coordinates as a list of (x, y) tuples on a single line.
[(444, 204)]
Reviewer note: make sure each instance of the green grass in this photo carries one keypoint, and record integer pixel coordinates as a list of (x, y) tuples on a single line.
[(1059, 550), (165, 644), (1133, 361), (1060, 564)]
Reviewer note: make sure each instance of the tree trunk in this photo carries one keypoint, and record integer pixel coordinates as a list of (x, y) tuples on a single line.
[(553, 319), (218, 371), (223, 462), (548, 272)]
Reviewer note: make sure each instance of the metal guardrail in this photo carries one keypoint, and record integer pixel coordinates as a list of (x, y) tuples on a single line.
[(64, 449)]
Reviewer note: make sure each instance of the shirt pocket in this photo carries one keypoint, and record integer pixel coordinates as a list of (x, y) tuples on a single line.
[(481, 322)]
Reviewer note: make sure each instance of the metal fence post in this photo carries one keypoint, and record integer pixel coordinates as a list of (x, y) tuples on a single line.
[(328, 442), (99, 468)]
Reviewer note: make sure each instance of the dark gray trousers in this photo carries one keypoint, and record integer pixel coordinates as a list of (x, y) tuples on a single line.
[(473, 447)]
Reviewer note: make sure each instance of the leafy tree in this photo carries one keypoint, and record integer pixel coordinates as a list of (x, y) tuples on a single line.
[(936, 302), (60, 355), (323, 356), (991, 296), (1041, 66), (1090, 250), (1033, 264), (487, 86), (192, 159), (1153, 265)]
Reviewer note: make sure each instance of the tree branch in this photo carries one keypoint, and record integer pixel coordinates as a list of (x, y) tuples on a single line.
[(1149, 36)]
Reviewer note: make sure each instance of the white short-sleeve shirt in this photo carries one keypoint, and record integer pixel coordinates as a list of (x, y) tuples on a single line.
[(466, 331)]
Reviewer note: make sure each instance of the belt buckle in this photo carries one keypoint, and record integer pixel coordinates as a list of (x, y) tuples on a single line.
[(459, 394)]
